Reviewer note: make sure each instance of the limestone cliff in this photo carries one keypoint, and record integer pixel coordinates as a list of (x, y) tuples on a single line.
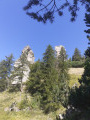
[(58, 49), (29, 57)]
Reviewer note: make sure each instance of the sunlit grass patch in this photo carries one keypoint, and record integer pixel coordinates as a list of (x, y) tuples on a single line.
[(74, 80)]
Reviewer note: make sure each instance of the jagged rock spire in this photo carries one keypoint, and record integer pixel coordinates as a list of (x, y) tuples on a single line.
[(58, 49), (30, 58)]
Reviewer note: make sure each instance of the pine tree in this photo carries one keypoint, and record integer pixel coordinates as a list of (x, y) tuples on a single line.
[(5, 70), (63, 79), (43, 81), (50, 77), (34, 81), (18, 71), (48, 82), (77, 55), (46, 10), (85, 80), (62, 59), (3, 76), (9, 61), (80, 97)]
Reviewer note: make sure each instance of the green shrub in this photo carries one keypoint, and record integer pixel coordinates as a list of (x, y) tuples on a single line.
[(77, 64), (23, 104), (35, 102), (14, 88)]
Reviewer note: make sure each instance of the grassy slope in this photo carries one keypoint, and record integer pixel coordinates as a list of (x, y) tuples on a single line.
[(6, 99), (74, 80)]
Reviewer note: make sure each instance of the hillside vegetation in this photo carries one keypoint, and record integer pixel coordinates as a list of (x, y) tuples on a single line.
[(6, 99)]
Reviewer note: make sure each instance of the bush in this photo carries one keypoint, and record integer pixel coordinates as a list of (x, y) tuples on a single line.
[(23, 104), (14, 88), (32, 104), (77, 64)]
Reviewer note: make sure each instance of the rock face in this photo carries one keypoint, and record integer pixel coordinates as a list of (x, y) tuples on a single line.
[(29, 54), (30, 58), (58, 49)]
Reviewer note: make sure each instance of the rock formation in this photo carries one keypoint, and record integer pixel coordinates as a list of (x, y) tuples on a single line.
[(29, 57), (58, 49)]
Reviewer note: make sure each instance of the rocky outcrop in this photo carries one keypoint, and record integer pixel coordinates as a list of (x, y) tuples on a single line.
[(29, 54), (29, 57), (58, 49)]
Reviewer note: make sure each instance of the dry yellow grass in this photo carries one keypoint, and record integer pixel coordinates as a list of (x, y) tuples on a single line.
[(76, 71)]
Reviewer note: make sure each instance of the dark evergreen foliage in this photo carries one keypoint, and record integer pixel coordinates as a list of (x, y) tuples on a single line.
[(77, 64), (48, 82), (63, 79), (46, 10), (49, 100), (34, 82), (19, 71), (77, 55), (14, 88), (9, 61), (85, 80), (80, 97), (5, 70), (3, 76), (77, 59)]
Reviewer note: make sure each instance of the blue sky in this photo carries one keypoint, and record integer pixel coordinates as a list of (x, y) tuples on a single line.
[(18, 30)]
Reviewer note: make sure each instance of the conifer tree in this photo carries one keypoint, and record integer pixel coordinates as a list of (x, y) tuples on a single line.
[(43, 81), (34, 82), (3, 76), (48, 82), (50, 77), (63, 79), (86, 75), (80, 97), (18, 71), (62, 59), (5, 71), (77, 55), (46, 10), (9, 61)]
